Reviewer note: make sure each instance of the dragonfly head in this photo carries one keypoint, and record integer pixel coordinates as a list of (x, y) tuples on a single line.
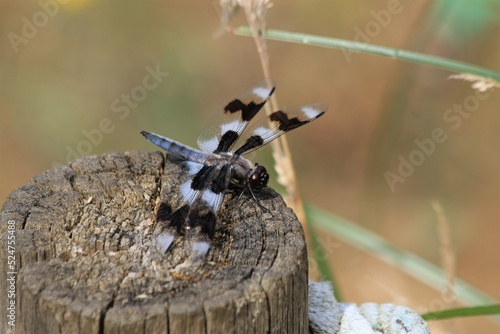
[(259, 177)]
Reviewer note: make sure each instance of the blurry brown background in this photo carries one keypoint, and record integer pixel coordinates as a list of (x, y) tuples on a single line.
[(68, 76)]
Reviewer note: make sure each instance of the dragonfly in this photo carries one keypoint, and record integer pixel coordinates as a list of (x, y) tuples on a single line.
[(219, 165)]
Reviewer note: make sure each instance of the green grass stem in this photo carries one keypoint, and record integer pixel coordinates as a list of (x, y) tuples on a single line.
[(352, 46)]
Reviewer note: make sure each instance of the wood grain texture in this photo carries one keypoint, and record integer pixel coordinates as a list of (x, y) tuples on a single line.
[(87, 262)]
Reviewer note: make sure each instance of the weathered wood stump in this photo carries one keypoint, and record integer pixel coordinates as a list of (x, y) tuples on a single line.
[(84, 258)]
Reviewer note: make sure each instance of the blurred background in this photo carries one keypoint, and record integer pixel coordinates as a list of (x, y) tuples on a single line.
[(83, 77)]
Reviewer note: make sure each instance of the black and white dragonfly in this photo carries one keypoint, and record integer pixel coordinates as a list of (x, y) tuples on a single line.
[(219, 164)]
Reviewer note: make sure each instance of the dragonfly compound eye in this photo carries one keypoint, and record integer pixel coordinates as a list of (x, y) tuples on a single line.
[(259, 177)]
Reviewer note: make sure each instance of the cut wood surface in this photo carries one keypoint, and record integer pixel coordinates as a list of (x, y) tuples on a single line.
[(86, 260)]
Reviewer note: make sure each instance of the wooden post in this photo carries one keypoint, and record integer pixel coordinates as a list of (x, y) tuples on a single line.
[(84, 258)]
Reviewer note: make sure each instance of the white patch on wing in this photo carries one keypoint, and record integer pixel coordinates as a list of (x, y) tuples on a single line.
[(208, 145), (187, 192), (311, 112), (192, 167), (165, 240), (260, 131), (212, 199), (231, 126), (200, 247), (262, 92)]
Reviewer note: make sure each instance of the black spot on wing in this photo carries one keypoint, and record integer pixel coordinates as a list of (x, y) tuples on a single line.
[(252, 142), (226, 142), (286, 124), (234, 106), (248, 111), (164, 212), (203, 220), (174, 219), (200, 180), (219, 184), (179, 217)]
